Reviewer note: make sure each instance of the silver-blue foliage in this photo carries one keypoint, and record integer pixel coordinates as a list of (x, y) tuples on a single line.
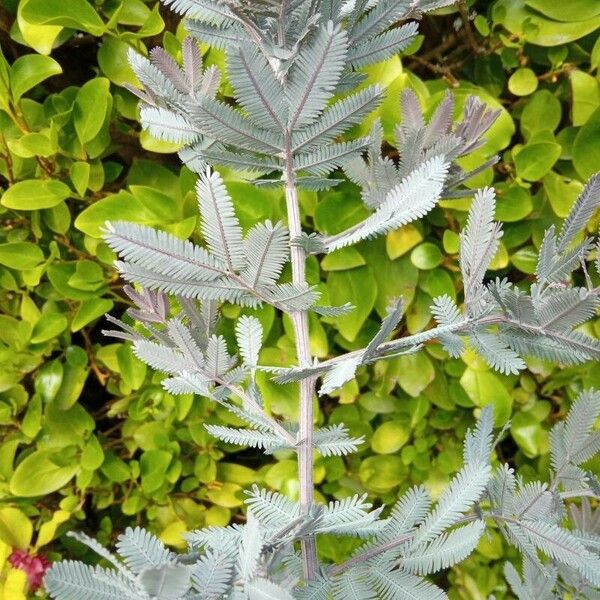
[(294, 66)]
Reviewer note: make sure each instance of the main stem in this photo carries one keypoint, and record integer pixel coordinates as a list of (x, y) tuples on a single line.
[(300, 324)]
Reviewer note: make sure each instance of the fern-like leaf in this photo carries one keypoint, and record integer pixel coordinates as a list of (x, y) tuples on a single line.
[(463, 491), (315, 74), (479, 241), (161, 252), (168, 126), (249, 333), (410, 200), (446, 550), (142, 550), (333, 440), (580, 214), (337, 118), (220, 226), (266, 249), (257, 89), (383, 46)]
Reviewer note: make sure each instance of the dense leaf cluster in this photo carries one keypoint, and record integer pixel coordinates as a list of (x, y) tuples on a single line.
[(90, 429)]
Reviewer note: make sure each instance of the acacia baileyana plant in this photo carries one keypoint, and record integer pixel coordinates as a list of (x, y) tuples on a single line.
[(295, 67)]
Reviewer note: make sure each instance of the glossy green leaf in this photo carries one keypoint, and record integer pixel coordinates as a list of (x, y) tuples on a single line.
[(523, 82), (426, 256), (358, 287), (389, 437), (586, 150), (33, 194), (416, 372), (76, 14), (20, 255), (29, 70), (542, 112), (41, 473), (90, 107), (153, 467), (49, 326), (342, 259), (535, 28), (112, 59), (534, 160), (49, 379), (586, 96), (575, 10), (562, 193), (90, 310), (485, 387)]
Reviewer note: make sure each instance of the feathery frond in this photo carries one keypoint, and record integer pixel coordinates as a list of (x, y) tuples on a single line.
[(333, 440), (271, 508), (267, 251), (249, 333), (580, 214), (410, 200), (162, 252), (142, 550), (166, 125), (383, 46), (463, 491), (479, 241), (444, 551), (337, 118), (220, 226), (257, 89), (315, 74)]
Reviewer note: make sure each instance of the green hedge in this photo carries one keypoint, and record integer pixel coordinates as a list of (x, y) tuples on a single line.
[(90, 440)]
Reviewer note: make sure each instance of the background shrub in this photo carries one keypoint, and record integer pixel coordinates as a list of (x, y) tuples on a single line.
[(89, 438)]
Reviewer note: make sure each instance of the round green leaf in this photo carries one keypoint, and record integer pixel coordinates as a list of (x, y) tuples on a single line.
[(586, 96), (42, 473), (525, 259), (358, 287), (227, 495), (153, 469), (92, 456), (33, 194), (535, 28), (49, 326), (485, 387), (542, 112), (389, 437), (89, 310), (523, 82), (416, 371), (586, 149), (49, 379), (29, 70), (400, 241), (76, 14), (562, 193), (122, 206), (426, 256), (514, 203), (20, 255), (342, 259), (534, 160), (380, 474), (112, 59), (574, 10), (526, 431)]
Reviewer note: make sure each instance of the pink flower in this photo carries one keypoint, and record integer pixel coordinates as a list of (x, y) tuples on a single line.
[(34, 566)]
